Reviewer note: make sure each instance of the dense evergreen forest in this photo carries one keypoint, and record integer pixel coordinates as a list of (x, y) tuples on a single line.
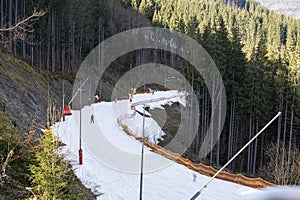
[(256, 50)]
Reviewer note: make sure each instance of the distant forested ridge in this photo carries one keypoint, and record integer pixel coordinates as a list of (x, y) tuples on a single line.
[(256, 50), (290, 8)]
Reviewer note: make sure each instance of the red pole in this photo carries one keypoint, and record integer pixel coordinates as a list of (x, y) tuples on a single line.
[(64, 117), (80, 156)]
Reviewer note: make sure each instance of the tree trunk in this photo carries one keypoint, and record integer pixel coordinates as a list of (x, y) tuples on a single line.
[(31, 55), (278, 131), (249, 148), (23, 42), (10, 24), (231, 131), (40, 57), (203, 115), (73, 47), (53, 40), (262, 151), (255, 151), (219, 130), (291, 127), (2, 16), (16, 19), (212, 122), (197, 134), (284, 132)]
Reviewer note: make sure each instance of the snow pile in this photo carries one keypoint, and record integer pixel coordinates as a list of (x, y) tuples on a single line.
[(152, 131), (177, 97)]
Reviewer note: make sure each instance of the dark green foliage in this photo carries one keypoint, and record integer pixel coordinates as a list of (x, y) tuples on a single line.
[(147, 8), (257, 53), (15, 165)]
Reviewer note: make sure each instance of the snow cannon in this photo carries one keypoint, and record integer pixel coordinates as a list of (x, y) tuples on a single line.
[(67, 110), (99, 99)]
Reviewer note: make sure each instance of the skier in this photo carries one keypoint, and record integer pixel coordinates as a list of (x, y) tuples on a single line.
[(92, 119), (130, 97), (194, 177)]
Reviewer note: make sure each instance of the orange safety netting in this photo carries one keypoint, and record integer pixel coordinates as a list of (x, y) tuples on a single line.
[(198, 167)]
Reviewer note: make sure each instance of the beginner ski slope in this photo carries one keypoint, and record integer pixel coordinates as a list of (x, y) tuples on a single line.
[(112, 159)]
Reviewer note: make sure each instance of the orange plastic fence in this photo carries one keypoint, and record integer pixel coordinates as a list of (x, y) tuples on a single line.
[(201, 168), (210, 171)]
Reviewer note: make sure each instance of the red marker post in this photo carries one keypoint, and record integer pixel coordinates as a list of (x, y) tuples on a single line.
[(80, 156)]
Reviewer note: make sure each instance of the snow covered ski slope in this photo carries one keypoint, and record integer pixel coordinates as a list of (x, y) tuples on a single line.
[(112, 161)]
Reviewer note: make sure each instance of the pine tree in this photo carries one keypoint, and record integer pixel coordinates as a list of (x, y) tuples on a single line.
[(135, 3), (51, 175), (147, 8)]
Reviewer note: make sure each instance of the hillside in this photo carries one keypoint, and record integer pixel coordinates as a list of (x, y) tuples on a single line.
[(290, 8), (24, 92), (23, 103)]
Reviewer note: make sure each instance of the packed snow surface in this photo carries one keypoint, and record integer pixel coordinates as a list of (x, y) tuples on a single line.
[(112, 159)]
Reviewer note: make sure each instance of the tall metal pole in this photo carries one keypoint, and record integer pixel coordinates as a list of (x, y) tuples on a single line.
[(77, 91), (205, 186), (80, 107), (80, 120), (142, 159), (90, 92)]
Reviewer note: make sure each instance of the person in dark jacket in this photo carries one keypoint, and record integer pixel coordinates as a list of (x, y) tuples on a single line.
[(92, 119)]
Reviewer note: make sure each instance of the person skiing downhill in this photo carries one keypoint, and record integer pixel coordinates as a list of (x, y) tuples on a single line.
[(130, 97), (92, 119)]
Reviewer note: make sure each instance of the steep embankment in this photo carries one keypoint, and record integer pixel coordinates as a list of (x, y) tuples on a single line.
[(24, 92), (23, 100)]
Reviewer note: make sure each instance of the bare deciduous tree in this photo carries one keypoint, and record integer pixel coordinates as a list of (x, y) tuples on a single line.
[(21, 28), (286, 171)]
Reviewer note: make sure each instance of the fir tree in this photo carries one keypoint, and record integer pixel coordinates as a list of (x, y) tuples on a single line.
[(51, 175)]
